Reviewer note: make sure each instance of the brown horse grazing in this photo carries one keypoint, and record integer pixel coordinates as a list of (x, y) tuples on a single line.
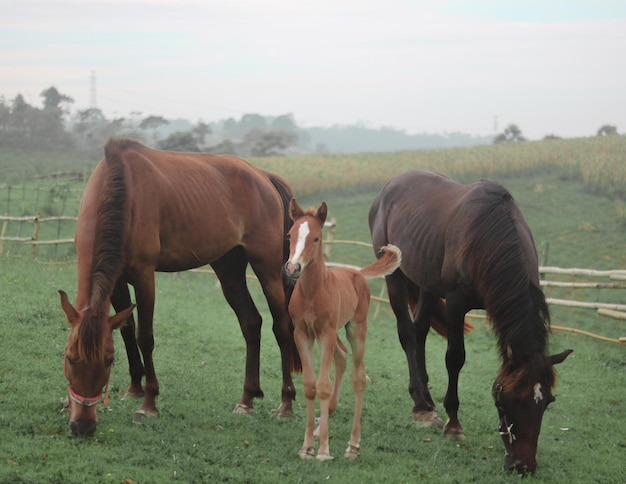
[(323, 301), (145, 211), (470, 245)]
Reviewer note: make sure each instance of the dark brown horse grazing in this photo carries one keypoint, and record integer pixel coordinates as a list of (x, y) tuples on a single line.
[(325, 300), (470, 245), (145, 211)]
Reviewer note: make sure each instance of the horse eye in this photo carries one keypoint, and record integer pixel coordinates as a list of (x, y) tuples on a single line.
[(71, 360), (287, 236), (316, 239), (109, 361)]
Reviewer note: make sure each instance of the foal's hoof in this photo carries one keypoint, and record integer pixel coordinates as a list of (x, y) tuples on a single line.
[(243, 409), (427, 418), (324, 457), (352, 452), (306, 453)]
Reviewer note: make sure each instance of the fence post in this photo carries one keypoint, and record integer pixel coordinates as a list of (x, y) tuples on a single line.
[(33, 251), (331, 225), (4, 229)]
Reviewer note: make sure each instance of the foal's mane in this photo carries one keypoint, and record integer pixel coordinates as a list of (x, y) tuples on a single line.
[(107, 251), (515, 304)]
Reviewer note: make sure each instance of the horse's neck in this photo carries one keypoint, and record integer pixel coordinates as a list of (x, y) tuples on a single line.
[(312, 277)]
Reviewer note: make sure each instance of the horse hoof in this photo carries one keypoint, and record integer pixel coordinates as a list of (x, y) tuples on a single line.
[(427, 418), (324, 457), (284, 411), (454, 433), (140, 414), (243, 409), (306, 453), (352, 452)]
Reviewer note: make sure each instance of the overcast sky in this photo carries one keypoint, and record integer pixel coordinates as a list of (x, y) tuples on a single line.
[(551, 67)]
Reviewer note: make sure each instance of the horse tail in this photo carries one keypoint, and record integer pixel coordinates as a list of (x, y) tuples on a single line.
[(438, 317), (286, 194), (388, 262)]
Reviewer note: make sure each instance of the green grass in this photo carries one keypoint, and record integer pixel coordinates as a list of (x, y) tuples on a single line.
[(199, 352), (199, 358)]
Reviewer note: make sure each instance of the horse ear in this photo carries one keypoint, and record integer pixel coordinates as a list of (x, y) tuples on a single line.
[(559, 358), (116, 320), (70, 313), (322, 213), (294, 209)]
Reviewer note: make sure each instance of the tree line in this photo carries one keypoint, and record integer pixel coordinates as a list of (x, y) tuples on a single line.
[(55, 126)]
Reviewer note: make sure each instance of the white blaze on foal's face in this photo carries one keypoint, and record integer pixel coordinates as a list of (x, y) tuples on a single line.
[(303, 231), (538, 395)]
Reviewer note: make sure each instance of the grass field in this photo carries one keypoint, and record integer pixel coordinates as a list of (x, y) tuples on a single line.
[(199, 358)]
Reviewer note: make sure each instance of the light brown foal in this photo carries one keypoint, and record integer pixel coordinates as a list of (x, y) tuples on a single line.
[(323, 301)]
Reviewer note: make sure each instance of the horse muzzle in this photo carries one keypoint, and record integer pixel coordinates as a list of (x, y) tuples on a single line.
[(521, 466), (293, 270)]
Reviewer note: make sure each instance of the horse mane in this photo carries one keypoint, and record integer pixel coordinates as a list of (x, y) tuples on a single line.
[(514, 302), (107, 250)]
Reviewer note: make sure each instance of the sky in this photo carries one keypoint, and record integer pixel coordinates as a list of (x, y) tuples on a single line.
[(548, 66)]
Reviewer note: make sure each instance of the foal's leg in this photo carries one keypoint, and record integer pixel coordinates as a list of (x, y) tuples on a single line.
[(455, 359), (340, 359), (397, 289), (327, 340), (231, 271), (304, 342), (356, 332), (120, 299)]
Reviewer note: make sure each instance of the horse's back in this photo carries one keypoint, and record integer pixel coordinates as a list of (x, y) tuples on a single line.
[(184, 210), (414, 212)]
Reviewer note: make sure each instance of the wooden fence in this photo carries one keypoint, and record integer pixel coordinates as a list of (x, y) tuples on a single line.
[(615, 277), (32, 240)]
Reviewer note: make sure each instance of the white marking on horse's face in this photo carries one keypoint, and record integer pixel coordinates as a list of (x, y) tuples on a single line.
[(538, 395), (303, 231)]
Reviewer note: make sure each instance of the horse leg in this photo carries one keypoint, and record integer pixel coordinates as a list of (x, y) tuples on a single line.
[(340, 359), (455, 359), (231, 271), (327, 340), (426, 303), (356, 333), (397, 289), (271, 280), (144, 292), (304, 343), (120, 299)]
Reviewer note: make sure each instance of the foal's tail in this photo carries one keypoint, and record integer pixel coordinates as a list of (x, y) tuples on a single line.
[(286, 194), (386, 264)]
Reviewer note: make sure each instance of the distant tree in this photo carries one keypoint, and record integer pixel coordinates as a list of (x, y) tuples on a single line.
[(153, 123), (551, 136), (511, 134), (284, 122), (180, 141), (50, 129), (607, 130), (200, 131), (53, 99), (269, 143)]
